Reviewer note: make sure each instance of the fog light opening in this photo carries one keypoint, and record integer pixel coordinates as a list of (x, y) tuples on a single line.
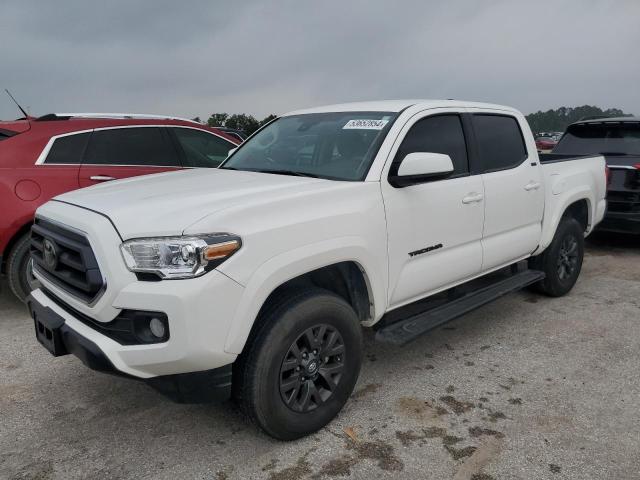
[(157, 328)]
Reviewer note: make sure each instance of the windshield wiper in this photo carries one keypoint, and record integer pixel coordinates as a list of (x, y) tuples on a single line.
[(615, 154), (286, 172)]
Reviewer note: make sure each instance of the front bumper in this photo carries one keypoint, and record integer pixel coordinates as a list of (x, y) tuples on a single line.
[(53, 332), (199, 311)]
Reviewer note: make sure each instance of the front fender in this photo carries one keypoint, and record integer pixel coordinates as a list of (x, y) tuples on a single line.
[(293, 263)]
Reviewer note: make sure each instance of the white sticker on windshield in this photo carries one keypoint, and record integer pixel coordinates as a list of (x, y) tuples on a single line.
[(365, 124)]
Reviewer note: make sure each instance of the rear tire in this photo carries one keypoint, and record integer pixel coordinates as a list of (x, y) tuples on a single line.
[(302, 364), (19, 274), (562, 260)]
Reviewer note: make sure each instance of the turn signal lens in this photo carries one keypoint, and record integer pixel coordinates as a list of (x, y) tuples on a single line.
[(220, 250)]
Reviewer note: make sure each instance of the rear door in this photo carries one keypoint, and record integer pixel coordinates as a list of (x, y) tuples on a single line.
[(121, 152), (513, 186)]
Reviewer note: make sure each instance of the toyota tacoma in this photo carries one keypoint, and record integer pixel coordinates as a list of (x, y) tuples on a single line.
[(254, 280)]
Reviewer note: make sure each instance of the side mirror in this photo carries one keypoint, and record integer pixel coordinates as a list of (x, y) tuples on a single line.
[(422, 167), (231, 151)]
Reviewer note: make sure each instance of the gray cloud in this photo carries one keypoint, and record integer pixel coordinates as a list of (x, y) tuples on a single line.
[(196, 57)]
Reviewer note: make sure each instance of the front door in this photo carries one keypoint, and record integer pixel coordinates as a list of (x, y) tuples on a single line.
[(434, 228)]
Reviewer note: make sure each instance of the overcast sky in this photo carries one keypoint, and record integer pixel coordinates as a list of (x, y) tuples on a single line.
[(192, 58)]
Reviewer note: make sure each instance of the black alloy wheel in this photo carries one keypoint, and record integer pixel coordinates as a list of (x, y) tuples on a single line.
[(312, 368), (567, 258), (300, 365), (561, 261)]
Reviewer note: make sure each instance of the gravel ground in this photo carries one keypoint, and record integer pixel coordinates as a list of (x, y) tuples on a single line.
[(527, 387)]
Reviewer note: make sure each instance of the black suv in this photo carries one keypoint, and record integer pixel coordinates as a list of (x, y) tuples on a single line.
[(618, 139)]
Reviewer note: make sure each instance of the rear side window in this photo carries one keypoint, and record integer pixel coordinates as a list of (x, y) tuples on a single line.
[(202, 149), (436, 134), (131, 146), (68, 149), (605, 138), (500, 142)]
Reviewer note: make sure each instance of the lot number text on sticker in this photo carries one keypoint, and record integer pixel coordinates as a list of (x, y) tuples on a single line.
[(365, 124)]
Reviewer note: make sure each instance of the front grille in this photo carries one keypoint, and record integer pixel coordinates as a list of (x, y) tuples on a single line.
[(65, 258)]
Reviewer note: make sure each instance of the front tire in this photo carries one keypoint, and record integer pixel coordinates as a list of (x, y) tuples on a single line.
[(302, 364), (562, 260), (19, 272)]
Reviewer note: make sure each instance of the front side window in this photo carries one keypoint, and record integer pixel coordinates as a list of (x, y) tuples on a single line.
[(68, 149), (202, 149), (436, 134), (130, 146), (601, 138), (500, 142), (337, 146)]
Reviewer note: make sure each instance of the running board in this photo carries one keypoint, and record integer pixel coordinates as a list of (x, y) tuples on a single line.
[(404, 331)]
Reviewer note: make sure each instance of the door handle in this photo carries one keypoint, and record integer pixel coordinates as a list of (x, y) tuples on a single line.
[(532, 186), (101, 178), (473, 198)]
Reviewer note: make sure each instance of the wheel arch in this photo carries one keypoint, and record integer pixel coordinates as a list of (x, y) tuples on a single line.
[(346, 279), (579, 205), (352, 277), (580, 211), (18, 234)]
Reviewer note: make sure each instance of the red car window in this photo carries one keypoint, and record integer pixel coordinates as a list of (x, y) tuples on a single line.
[(131, 146)]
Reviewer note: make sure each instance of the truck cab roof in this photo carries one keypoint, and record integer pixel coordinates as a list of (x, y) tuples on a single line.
[(398, 105)]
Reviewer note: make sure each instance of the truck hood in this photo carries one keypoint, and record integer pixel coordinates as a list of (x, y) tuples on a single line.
[(168, 203)]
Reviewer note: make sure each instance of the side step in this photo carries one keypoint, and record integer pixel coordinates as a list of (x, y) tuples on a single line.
[(404, 331)]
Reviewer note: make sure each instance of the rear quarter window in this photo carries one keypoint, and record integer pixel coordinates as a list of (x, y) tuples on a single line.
[(68, 149)]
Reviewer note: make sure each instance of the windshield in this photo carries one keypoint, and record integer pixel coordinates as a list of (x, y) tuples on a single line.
[(610, 139), (336, 146)]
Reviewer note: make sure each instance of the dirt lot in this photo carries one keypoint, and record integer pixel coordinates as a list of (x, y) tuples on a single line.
[(527, 387)]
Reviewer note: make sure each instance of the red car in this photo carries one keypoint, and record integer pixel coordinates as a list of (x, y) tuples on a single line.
[(545, 143), (46, 156)]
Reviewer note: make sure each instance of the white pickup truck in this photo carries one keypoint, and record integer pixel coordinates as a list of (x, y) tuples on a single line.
[(254, 280)]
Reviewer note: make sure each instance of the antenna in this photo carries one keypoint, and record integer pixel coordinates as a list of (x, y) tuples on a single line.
[(26, 115)]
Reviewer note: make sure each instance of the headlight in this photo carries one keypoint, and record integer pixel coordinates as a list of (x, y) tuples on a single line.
[(179, 257)]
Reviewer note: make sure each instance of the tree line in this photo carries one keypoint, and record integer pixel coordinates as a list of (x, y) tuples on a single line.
[(237, 121), (557, 120), (550, 121)]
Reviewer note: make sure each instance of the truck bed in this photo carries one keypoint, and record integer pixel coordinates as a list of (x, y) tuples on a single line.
[(568, 178), (560, 157)]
